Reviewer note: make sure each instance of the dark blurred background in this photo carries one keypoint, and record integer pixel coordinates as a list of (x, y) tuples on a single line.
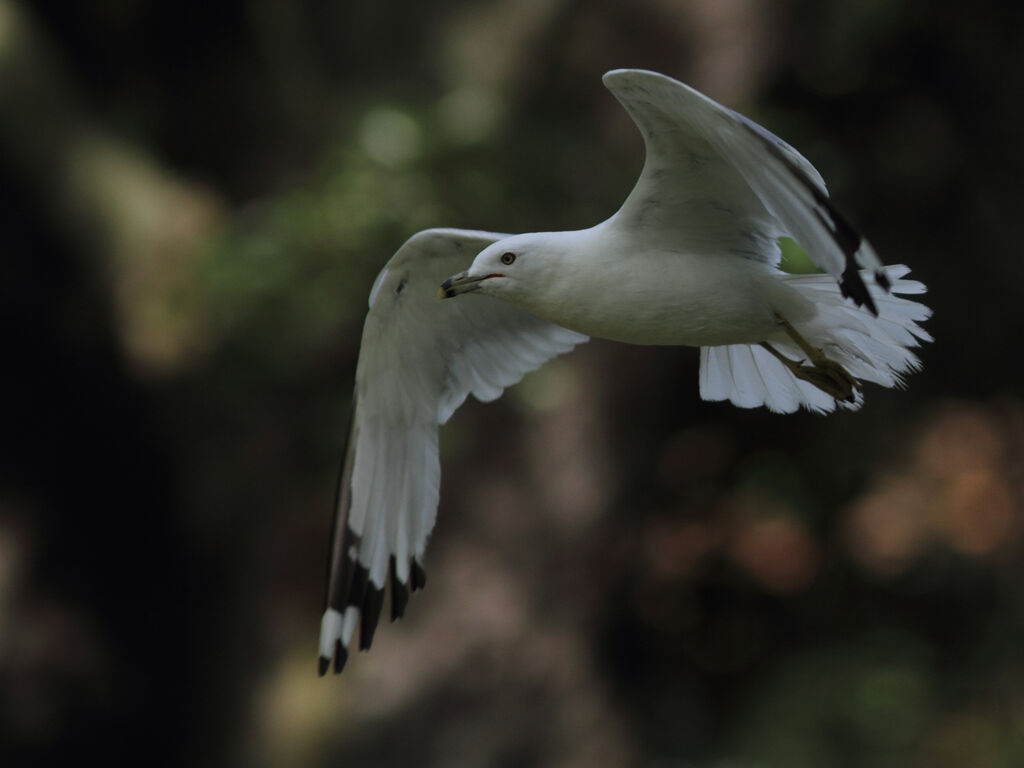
[(197, 198)]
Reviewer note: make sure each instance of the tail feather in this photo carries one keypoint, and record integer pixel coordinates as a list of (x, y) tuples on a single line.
[(875, 349), (748, 376)]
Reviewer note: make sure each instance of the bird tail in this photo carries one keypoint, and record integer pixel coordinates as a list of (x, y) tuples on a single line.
[(876, 349)]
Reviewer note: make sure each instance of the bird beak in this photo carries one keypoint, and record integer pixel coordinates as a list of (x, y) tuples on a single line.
[(461, 283)]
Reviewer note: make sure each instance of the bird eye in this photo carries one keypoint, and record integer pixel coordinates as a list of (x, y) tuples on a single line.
[(507, 258)]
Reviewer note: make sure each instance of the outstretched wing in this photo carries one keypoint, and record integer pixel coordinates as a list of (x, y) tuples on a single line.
[(712, 176), (420, 357)]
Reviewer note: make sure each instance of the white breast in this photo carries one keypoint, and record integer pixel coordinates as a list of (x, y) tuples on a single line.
[(670, 298)]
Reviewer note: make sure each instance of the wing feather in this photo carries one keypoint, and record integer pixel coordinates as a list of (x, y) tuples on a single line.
[(420, 358), (713, 177)]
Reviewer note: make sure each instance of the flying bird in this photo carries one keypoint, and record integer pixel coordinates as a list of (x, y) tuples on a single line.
[(691, 258)]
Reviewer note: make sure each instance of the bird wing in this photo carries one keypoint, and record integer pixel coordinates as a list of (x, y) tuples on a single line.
[(714, 181), (419, 359)]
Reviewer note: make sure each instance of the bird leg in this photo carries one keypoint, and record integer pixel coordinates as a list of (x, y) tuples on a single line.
[(827, 375)]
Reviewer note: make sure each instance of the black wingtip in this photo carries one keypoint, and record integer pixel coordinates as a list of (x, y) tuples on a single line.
[(399, 599), (851, 286), (323, 664), (360, 580), (399, 593), (370, 616), (340, 656), (418, 576), (882, 280)]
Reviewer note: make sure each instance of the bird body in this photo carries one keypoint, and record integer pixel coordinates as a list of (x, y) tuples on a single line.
[(691, 258), (599, 283)]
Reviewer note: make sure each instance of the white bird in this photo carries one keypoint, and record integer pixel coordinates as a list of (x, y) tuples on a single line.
[(691, 258)]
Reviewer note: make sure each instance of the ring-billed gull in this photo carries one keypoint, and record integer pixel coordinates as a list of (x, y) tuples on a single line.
[(691, 258)]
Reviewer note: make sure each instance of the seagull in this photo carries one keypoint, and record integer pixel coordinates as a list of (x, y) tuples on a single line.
[(691, 258)]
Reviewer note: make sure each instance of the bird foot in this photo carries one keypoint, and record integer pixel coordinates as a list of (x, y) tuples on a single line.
[(827, 375)]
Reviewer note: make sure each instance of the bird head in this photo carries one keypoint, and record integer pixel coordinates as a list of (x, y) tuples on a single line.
[(507, 268)]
